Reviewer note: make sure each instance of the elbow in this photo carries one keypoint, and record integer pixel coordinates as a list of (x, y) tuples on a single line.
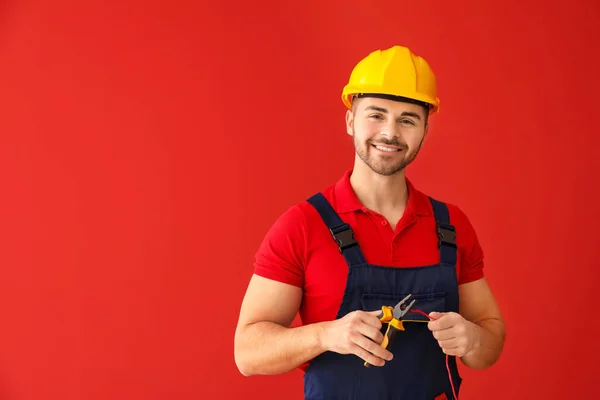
[(241, 360), (243, 367)]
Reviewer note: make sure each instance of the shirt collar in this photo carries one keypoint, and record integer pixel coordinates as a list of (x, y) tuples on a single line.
[(346, 200)]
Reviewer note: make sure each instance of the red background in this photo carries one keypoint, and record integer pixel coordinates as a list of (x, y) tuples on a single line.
[(146, 148)]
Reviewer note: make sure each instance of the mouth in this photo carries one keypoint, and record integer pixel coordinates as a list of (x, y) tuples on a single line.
[(386, 148)]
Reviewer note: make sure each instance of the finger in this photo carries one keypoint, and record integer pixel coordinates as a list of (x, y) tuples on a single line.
[(449, 344), (453, 351), (436, 315), (371, 332), (453, 347), (371, 318), (444, 322), (366, 356), (437, 325), (444, 334), (373, 347)]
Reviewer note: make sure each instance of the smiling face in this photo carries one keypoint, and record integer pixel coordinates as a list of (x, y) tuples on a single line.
[(387, 134)]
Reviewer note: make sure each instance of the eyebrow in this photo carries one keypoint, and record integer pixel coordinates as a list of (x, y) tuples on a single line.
[(385, 111)]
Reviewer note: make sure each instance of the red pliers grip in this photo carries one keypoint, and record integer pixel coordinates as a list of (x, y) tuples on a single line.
[(393, 317)]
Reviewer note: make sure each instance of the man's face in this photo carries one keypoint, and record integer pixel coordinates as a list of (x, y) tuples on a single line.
[(387, 134)]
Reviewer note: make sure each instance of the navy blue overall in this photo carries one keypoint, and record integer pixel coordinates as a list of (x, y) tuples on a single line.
[(418, 370)]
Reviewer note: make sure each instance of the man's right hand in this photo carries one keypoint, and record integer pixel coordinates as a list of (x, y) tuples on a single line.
[(359, 333)]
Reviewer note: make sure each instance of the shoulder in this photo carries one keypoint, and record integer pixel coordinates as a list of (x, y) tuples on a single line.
[(284, 251), (305, 213), (455, 215), (297, 222), (470, 253), (458, 217)]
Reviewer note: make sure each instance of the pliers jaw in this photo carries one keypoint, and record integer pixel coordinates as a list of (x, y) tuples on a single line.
[(403, 307)]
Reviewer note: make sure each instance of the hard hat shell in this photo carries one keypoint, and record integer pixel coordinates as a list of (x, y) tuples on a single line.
[(396, 72)]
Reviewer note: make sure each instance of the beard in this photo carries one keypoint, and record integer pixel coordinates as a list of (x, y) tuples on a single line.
[(380, 165)]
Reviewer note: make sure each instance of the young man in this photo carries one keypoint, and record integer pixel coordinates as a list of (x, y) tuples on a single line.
[(366, 242)]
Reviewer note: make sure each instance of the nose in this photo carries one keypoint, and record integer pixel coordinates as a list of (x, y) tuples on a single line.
[(388, 130)]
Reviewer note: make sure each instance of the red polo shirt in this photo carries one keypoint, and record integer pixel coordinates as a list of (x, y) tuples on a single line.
[(299, 249)]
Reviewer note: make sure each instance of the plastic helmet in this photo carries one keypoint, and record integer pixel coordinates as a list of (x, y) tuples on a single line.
[(395, 73)]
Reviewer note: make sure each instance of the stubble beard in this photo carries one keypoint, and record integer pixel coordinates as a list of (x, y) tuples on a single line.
[(383, 167)]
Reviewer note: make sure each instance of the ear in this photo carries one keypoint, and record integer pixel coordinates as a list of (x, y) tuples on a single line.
[(425, 130), (349, 122)]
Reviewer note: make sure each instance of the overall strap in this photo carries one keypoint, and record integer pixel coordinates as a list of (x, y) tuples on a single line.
[(340, 231), (446, 233)]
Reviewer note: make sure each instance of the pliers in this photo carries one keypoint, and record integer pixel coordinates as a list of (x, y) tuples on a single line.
[(393, 317)]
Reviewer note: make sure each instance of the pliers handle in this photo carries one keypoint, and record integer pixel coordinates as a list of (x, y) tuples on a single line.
[(393, 317)]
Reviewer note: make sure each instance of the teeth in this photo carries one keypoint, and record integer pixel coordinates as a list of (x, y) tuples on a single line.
[(386, 148)]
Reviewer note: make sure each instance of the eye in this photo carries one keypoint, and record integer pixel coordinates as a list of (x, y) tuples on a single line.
[(406, 121), (375, 116)]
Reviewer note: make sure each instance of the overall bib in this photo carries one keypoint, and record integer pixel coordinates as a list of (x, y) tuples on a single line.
[(418, 370)]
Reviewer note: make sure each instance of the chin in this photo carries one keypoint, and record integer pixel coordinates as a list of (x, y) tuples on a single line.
[(387, 170)]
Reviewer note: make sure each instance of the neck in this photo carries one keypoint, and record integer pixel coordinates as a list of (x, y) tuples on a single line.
[(379, 193)]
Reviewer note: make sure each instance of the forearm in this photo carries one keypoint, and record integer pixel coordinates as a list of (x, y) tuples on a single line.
[(266, 348), (488, 346)]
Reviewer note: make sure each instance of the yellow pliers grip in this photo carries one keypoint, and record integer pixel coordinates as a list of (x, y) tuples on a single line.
[(394, 326), (393, 317)]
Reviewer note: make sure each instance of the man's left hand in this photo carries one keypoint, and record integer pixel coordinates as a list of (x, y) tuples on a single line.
[(455, 335)]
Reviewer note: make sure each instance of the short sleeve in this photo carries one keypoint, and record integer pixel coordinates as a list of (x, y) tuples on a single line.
[(282, 252), (470, 252)]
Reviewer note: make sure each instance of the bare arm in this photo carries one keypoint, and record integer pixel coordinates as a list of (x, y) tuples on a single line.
[(478, 306), (264, 343)]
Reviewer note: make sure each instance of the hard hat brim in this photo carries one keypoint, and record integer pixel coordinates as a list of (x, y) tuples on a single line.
[(349, 93)]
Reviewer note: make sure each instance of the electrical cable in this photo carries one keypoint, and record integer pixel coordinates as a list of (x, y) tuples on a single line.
[(447, 357)]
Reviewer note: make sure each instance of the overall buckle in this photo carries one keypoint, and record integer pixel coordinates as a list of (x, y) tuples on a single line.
[(446, 234), (343, 236)]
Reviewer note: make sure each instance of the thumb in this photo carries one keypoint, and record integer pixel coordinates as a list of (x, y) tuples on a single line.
[(436, 315)]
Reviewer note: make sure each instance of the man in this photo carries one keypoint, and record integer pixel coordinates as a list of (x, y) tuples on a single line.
[(365, 242)]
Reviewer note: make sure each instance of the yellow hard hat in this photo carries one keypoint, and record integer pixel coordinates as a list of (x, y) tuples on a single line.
[(395, 73)]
